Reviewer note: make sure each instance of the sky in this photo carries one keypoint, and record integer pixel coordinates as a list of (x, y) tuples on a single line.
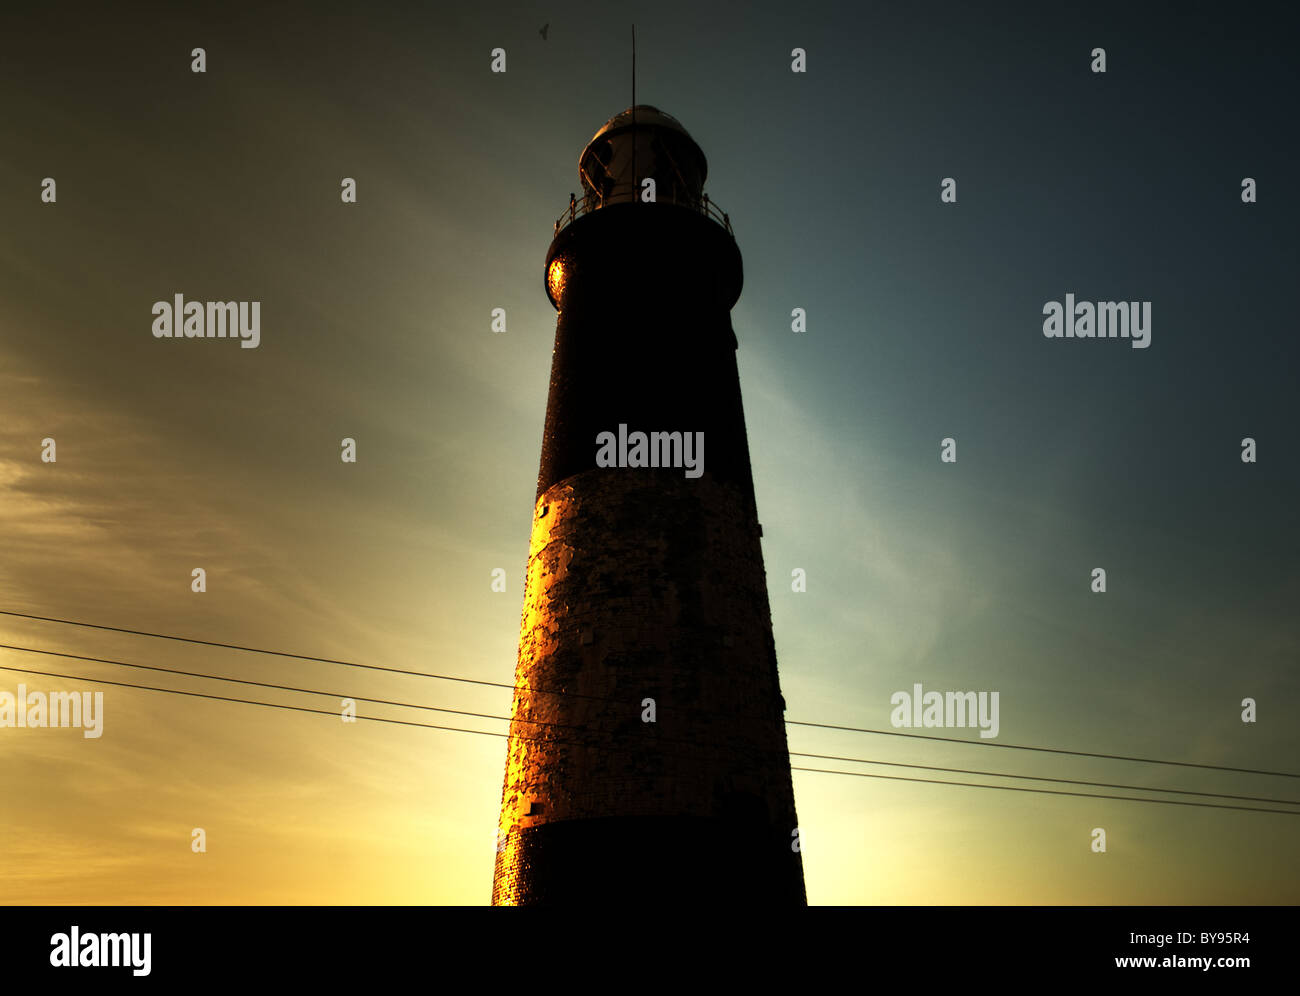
[(924, 322)]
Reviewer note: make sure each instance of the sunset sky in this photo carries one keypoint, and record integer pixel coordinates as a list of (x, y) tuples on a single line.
[(924, 322)]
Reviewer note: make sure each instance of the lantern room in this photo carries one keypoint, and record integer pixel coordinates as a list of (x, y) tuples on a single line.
[(638, 143)]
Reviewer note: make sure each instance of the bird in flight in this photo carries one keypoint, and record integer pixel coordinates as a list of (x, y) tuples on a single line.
[(542, 32)]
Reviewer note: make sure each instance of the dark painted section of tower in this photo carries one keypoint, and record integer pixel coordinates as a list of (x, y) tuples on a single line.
[(644, 332), (643, 583)]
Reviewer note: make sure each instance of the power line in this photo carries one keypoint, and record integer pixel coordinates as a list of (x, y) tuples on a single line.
[(254, 650), (1015, 788), (1042, 778), (226, 698), (304, 657), (1046, 750), (305, 691), (689, 743), (548, 691), (335, 713), (246, 681), (509, 736)]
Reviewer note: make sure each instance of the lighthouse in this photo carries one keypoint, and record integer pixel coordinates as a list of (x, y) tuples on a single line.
[(647, 761)]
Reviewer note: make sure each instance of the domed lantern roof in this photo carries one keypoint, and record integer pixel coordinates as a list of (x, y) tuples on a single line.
[(638, 143)]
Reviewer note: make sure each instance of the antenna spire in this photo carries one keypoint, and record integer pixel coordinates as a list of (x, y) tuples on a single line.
[(634, 176)]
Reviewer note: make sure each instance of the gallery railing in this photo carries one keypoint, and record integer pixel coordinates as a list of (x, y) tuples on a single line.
[(630, 193)]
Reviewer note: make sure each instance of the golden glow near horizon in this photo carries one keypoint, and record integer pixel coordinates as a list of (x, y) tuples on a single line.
[(302, 808)]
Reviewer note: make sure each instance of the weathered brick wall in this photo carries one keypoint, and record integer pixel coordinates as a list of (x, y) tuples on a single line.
[(647, 584)]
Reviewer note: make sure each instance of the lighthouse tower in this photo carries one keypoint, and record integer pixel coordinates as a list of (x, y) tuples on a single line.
[(647, 760)]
